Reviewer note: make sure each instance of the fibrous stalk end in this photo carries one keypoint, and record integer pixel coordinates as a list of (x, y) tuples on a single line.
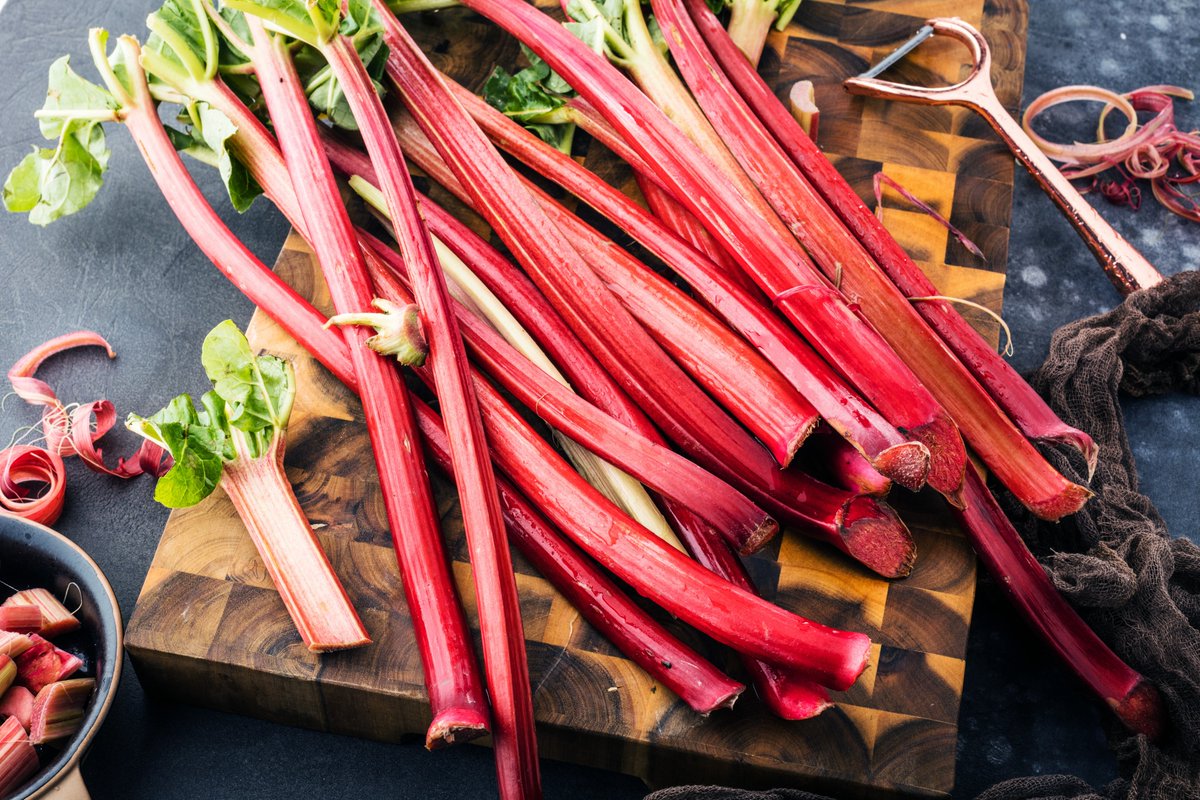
[(873, 535)]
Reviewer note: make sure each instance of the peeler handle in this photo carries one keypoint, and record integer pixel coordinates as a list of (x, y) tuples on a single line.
[(1126, 267)]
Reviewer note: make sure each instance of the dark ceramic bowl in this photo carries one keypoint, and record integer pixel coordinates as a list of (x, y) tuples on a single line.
[(32, 555)]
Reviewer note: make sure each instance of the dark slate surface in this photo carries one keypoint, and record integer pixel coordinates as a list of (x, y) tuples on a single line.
[(126, 269)]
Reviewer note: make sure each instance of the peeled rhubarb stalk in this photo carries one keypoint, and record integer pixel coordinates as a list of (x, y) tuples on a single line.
[(43, 664), (58, 709), (17, 702), (21, 619), (18, 759), (56, 619), (13, 644)]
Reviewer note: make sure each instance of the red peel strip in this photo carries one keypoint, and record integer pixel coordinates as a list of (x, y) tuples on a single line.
[(881, 178), (1149, 151), (72, 433), (33, 483)]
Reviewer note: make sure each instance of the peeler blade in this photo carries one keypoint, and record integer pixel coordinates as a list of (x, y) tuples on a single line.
[(923, 33)]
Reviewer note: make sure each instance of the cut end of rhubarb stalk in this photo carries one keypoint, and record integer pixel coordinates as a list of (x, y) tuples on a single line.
[(455, 726), (858, 648), (1142, 710), (1077, 440), (947, 457), (874, 536), (724, 699), (756, 539), (1066, 502), (907, 464)]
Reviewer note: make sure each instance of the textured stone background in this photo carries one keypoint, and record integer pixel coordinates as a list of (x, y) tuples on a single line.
[(126, 269)]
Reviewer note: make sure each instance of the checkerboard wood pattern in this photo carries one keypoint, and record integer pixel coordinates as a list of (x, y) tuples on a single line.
[(209, 627)]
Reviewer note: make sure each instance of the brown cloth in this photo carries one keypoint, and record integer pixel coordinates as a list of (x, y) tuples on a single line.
[(1114, 560)]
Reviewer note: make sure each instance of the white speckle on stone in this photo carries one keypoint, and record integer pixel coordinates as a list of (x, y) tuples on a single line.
[(1034, 276), (1151, 237), (1160, 22), (1109, 67), (1123, 36), (999, 750), (1190, 254)]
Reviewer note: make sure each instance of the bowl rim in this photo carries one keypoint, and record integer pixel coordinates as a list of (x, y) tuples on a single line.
[(80, 747)]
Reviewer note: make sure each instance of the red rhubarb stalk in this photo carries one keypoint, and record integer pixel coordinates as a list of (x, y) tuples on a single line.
[(597, 598), (688, 415), (455, 689), (906, 462), (999, 443), (1133, 698), (505, 664), (745, 526), (833, 456), (781, 268), (1027, 410), (58, 709), (440, 611), (789, 695), (237, 442), (20, 619), (729, 369)]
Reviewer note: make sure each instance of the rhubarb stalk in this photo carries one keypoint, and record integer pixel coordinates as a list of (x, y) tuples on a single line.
[(1027, 410), (458, 704), (839, 254), (237, 442), (18, 759), (1131, 697), (597, 598), (495, 584), (905, 461), (781, 269)]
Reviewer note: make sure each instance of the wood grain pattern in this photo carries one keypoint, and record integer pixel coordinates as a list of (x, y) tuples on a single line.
[(209, 628)]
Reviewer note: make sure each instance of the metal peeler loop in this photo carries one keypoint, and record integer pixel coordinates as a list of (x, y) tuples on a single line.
[(973, 91), (1126, 267)]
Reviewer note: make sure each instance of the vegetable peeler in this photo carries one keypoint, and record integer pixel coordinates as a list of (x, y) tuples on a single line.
[(1126, 267)]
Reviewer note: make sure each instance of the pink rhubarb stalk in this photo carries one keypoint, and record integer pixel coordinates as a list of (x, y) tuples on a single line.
[(999, 443), (1133, 698), (891, 453), (598, 599), (504, 659), (18, 759), (1027, 410), (56, 618), (779, 266), (422, 557)]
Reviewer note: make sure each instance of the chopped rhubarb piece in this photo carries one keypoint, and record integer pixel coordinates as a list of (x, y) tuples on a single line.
[(13, 644), (43, 664), (18, 760), (56, 619), (8, 673), (21, 619), (17, 702), (58, 709)]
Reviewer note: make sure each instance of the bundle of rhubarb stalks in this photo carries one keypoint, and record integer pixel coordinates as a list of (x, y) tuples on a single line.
[(778, 313)]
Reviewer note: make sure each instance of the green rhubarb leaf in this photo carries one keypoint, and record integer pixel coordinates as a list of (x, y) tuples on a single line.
[(310, 21), (207, 140), (198, 445), (50, 183), (534, 97), (258, 390)]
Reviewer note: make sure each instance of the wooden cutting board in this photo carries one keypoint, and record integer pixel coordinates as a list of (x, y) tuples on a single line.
[(210, 629)]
